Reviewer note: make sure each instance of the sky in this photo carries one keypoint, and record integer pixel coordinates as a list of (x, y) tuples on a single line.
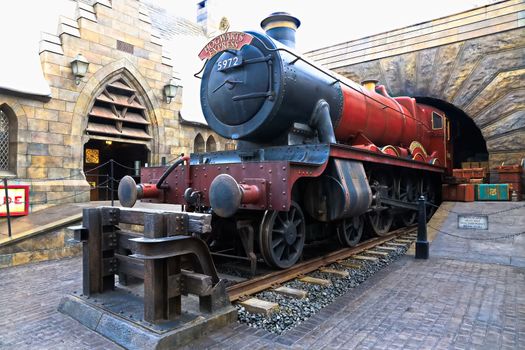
[(328, 22), (324, 23)]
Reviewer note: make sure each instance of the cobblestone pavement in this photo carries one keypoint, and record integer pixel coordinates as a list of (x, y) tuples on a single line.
[(434, 304), (29, 296)]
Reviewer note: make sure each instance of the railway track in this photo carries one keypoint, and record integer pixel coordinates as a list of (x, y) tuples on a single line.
[(363, 251)]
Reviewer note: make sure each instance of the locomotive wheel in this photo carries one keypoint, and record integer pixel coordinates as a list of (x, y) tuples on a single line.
[(381, 218), (350, 230), (282, 236), (408, 193)]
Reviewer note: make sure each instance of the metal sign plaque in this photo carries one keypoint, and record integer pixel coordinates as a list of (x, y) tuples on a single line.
[(18, 198), (473, 222), (226, 41)]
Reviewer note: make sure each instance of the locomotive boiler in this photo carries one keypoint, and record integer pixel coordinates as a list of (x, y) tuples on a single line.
[(317, 155)]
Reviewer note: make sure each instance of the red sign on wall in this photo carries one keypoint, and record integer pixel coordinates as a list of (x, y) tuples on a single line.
[(18, 197), (229, 40)]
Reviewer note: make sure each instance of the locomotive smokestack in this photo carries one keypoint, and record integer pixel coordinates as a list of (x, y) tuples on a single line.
[(281, 26)]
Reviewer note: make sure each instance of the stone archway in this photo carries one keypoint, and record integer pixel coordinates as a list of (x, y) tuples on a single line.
[(143, 144), (118, 131), (211, 144), (121, 69), (482, 77), (198, 144)]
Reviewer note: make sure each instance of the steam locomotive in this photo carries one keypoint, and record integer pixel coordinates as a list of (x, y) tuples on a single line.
[(317, 155)]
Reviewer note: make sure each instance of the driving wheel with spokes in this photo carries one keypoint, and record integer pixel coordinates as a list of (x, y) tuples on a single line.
[(350, 230), (381, 217), (282, 235), (408, 193)]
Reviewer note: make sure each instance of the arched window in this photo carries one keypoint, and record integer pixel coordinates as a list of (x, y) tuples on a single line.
[(211, 146), (198, 144), (4, 141), (8, 140)]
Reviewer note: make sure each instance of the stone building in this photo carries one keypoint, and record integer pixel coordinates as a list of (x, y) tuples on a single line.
[(57, 139), (470, 64)]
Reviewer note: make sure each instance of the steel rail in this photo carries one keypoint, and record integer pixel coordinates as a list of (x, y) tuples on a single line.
[(260, 283)]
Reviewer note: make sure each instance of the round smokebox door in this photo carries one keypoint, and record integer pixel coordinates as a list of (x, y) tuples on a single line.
[(237, 85)]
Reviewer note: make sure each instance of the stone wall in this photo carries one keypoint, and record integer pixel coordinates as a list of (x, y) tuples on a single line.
[(474, 60), (49, 245), (118, 41)]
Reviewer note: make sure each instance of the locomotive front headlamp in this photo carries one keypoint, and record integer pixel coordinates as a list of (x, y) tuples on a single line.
[(79, 66), (171, 89)]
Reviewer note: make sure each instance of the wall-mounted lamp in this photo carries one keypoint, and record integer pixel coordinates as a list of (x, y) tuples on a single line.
[(109, 142), (80, 67), (171, 89)]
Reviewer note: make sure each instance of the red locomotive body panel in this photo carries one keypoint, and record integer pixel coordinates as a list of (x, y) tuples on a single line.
[(273, 179), (391, 122)]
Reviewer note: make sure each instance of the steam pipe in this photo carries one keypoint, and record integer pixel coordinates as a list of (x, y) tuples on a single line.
[(321, 121), (172, 167)]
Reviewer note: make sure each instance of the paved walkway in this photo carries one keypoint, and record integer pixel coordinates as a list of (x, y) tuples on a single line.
[(446, 302), (29, 297), (434, 304), (505, 219)]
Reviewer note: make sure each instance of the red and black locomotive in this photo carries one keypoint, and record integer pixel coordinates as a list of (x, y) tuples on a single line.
[(317, 154)]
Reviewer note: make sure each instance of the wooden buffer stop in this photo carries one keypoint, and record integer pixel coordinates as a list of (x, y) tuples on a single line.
[(171, 261)]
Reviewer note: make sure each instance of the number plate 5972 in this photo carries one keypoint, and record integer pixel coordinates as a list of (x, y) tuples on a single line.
[(229, 63)]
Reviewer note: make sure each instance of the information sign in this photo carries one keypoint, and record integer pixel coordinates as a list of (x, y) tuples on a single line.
[(473, 222)]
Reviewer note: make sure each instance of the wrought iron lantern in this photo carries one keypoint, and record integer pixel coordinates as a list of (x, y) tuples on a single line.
[(80, 67), (171, 89)]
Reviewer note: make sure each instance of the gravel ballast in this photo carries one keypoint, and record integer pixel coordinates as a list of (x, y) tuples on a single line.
[(293, 312)]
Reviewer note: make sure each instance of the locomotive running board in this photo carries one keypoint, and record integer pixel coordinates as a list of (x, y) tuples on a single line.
[(349, 152)]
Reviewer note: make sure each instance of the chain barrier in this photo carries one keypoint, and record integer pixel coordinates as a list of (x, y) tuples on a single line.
[(79, 173), (103, 185), (77, 193), (108, 185), (504, 236), (488, 214), (122, 165)]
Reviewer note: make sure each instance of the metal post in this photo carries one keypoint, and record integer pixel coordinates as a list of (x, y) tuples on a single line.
[(92, 252), (136, 166), (422, 242), (107, 188), (112, 174), (7, 208)]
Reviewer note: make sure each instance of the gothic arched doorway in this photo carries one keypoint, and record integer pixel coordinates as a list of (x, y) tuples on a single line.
[(119, 138)]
